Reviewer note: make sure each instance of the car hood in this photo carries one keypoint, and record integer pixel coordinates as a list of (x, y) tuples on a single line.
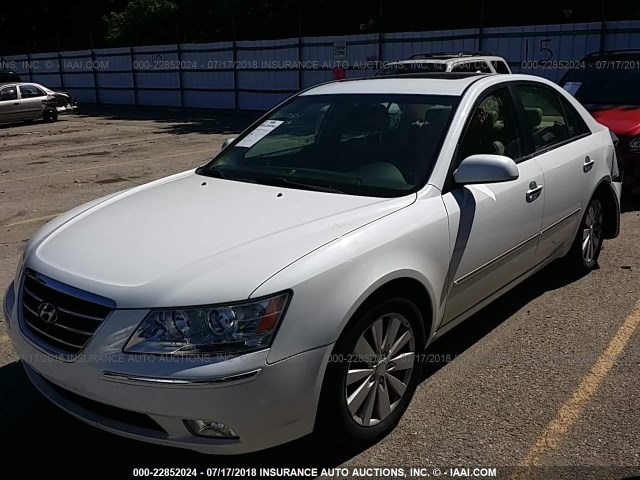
[(189, 239), (60, 96), (623, 120)]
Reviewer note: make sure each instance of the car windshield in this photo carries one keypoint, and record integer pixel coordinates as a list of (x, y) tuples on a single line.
[(412, 67), (593, 85), (371, 144)]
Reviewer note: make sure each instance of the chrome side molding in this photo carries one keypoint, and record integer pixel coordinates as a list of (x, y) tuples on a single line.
[(178, 382)]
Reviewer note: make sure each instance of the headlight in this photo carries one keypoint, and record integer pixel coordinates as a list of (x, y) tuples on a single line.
[(634, 144), (215, 329)]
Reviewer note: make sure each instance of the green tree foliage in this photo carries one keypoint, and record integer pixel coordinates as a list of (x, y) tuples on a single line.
[(141, 22), (46, 25)]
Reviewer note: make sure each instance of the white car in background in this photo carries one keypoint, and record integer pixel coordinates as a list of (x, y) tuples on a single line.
[(288, 285), (475, 62)]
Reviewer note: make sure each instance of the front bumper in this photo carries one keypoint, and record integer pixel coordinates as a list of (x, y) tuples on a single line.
[(67, 109), (149, 397)]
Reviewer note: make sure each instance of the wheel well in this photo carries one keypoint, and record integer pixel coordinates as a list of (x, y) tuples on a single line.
[(407, 288), (610, 205)]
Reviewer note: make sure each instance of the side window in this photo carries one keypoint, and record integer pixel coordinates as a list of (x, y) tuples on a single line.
[(482, 66), (575, 122), (8, 93), (544, 116), (492, 128), (500, 66), (466, 67), (30, 91), (472, 67)]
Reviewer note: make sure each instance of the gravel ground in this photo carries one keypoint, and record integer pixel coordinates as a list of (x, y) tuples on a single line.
[(514, 385)]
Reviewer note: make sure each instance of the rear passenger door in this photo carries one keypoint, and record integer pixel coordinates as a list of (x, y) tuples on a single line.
[(9, 104), (560, 143)]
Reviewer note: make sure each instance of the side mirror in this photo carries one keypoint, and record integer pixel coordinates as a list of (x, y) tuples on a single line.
[(226, 143), (485, 168)]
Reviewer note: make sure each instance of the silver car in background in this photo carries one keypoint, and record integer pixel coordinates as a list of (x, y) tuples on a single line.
[(26, 101)]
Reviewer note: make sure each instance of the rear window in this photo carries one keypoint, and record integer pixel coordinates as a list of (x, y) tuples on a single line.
[(599, 84)]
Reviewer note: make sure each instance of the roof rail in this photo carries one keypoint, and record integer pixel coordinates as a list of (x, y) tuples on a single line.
[(427, 55), (436, 75)]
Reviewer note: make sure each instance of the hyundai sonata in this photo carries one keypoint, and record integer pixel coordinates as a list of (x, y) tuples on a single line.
[(290, 284)]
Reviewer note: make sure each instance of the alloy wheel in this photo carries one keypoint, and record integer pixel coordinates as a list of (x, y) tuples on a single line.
[(379, 370), (592, 231)]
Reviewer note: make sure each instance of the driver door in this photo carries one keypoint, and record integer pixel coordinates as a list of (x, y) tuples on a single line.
[(494, 228), (32, 101)]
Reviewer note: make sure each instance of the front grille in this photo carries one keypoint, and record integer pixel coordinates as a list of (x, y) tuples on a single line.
[(59, 317), (109, 412)]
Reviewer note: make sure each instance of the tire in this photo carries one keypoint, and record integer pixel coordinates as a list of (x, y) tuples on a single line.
[(587, 245), (358, 413), (50, 115)]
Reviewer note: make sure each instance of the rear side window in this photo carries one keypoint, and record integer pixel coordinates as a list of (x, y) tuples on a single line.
[(8, 93), (575, 122), (462, 67), (472, 67), (544, 116), (501, 67)]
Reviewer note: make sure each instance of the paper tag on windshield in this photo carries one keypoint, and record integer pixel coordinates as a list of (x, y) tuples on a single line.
[(259, 133), (572, 87)]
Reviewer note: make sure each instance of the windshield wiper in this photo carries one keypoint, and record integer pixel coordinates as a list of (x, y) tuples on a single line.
[(273, 181), (217, 173), (285, 182)]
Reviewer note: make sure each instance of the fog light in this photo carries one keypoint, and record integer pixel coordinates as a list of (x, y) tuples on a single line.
[(207, 428)]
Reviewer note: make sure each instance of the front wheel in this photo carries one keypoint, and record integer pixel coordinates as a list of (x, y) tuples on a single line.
[(587, 245), (372, 374), (50, 115)]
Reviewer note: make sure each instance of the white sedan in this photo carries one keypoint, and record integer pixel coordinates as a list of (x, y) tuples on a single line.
[(289, 284)]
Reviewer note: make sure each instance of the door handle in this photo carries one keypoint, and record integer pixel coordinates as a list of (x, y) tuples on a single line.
[(17, 103), (588, 164), (533, 192)]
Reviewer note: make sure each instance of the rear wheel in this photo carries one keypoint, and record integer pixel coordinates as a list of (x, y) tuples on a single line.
[(372, 374), (587, 245), (50, 115)]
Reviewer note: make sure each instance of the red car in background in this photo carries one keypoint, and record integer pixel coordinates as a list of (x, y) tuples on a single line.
[(608, 85)]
